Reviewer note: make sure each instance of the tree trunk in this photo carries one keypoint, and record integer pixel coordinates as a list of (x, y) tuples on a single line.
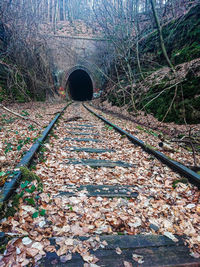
[(55, 15), (162, 44), (50, 10), (61, 10), (137, 30)]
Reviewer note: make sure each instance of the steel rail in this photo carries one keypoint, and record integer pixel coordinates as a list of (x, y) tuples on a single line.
[(174, 165), (11, 184)]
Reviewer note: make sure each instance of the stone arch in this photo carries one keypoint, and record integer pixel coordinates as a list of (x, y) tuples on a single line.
[(78, 83)]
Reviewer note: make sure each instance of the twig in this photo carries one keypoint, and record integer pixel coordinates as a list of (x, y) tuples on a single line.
[(184, 141), (18, 115), (175, 93), (193, 150), (53, 113)]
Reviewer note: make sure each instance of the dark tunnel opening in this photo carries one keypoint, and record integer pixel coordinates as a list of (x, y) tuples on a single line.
[(80, 85)]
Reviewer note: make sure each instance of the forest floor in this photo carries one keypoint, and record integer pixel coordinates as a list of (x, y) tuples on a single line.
[(164, 204), (18, 135), (151, 131)]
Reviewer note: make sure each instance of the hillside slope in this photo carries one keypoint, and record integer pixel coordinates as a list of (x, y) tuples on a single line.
[(172, 97)]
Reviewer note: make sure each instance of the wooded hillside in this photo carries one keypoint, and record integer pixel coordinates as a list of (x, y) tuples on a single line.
[(143, 79)]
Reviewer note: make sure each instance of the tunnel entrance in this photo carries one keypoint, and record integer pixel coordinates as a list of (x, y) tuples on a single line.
[(80, 85)]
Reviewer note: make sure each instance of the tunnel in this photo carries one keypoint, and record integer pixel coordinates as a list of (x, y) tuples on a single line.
[(80, 86)]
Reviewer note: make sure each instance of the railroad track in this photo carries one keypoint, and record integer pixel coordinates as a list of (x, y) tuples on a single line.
[(107, 202)]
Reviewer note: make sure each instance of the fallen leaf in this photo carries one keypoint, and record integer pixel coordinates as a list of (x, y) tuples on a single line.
[(198, 209), (128, 264), (63, 250), (32, 252), (190, 206), (37, 245), (118, 251), (69, 242), (195, 255), (26, 241), (138, 258), (87, 257), (25, 262), (66, 258), (28, 208), (50, 249)]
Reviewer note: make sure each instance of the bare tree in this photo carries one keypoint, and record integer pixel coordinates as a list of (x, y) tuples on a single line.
[(162, 44), (28, 72)]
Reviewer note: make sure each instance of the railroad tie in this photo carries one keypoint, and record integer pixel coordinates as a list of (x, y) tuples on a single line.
[(139, 250), (90, 149), (82, 139), (79, 128), (99, 190), (97, 163), (93, 134)]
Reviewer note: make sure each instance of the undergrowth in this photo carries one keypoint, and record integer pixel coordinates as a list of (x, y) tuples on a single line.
[(26, 185)]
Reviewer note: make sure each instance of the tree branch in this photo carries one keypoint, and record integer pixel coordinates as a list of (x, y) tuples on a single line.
[(18, 115)]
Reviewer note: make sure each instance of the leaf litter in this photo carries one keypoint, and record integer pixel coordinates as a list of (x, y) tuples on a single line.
[(174, 211)]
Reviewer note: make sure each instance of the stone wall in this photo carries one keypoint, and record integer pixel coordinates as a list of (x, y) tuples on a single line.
[(70, 53)]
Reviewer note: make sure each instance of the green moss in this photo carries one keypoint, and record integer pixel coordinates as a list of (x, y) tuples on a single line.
[(182, 180), (187, 105), (181, 37), (11, 210), (2, 248), (150, 147), (187, 53), (28, 175), (3, 93)]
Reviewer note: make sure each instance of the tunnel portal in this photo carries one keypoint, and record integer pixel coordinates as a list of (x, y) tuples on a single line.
[(80, 86)]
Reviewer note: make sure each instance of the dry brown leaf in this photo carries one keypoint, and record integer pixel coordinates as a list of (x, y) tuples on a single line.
[(69, 242), (138, 258), (198, 209), (50, 249), (118, 251), (32, 252), (128, 264), (66, 258), (87, 257), (63, 250)]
